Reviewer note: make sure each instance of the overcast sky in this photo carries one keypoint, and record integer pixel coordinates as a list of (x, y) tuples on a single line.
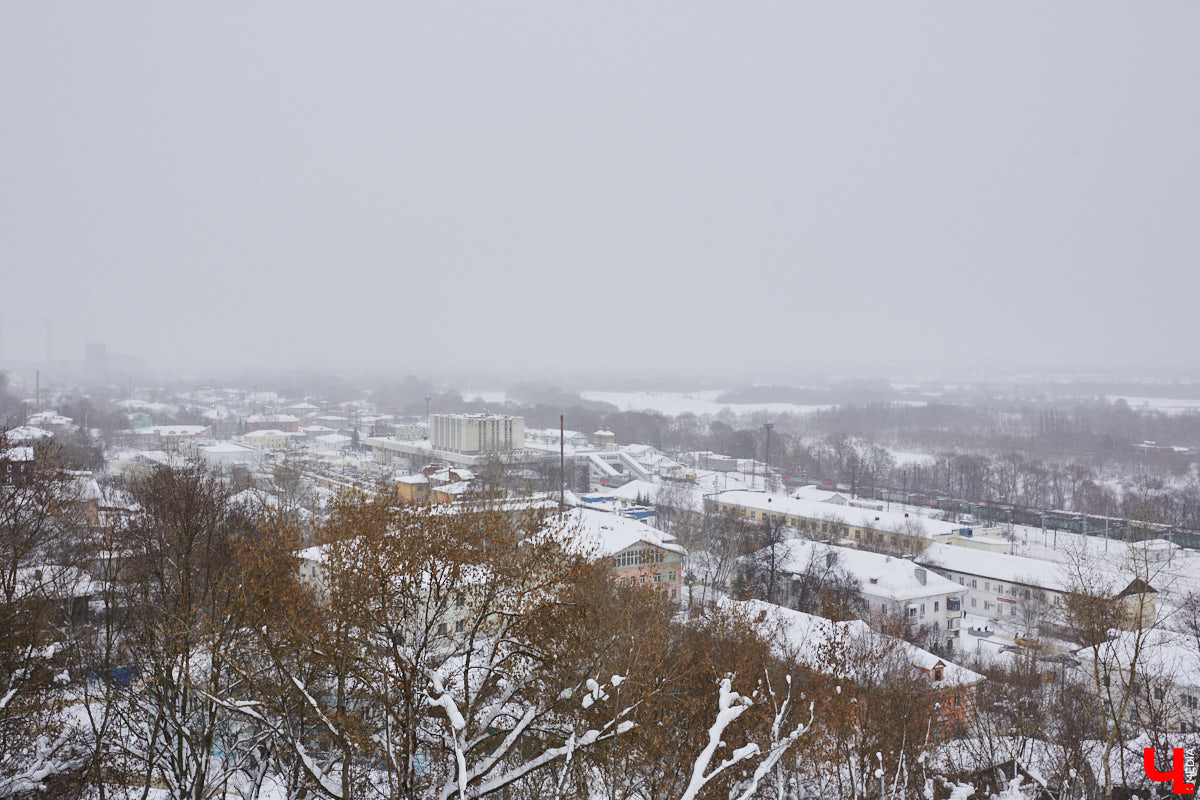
[(750, 188)]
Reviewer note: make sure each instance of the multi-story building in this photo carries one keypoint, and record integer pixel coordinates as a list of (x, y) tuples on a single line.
[(476, 433), (891, 588), (639, 554)]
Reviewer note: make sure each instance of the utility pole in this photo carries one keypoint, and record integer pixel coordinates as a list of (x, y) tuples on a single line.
[(769, 426)]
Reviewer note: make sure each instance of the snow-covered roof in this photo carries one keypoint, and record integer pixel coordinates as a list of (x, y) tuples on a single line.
[(455, 489), (818, 494), (998, 566), (225, 447), (256, 418), (633, 490), (608, 534), (892, 521), (444, 474), (171, 430), (52, 580), (808, 637), (49, 418), (271, 433), (877, 574), (26, 433), (334, 438)]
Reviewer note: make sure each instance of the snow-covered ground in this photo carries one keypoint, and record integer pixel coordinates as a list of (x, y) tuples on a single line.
[(699, 403), (1167, 405), (905, 457)]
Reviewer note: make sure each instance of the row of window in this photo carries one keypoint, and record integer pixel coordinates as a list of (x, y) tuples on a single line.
[(988, 586), (633, 558), (813, 526), (631, 580)]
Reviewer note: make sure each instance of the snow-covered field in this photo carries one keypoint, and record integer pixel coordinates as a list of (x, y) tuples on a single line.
[(1167, 405), (904, 457), (699, 403)]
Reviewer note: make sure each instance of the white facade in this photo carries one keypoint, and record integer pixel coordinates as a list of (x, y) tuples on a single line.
[(889, 586), (476, 433), (996, 583)]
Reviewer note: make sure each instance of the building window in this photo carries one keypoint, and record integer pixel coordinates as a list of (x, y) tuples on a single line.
[(974, 583), (671, 576), (658, 577), (922, 609), (459, 626), (935, 605), (972, 602), (441, 629)]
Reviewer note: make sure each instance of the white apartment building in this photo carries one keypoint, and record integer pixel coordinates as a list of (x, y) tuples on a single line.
[(889, 586), (476, 433), (996, 583)]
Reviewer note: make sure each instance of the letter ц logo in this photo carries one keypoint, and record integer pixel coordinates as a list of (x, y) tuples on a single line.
[(1183, 767)]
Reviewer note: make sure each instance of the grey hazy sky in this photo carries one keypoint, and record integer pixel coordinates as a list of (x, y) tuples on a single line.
[(642, 187)]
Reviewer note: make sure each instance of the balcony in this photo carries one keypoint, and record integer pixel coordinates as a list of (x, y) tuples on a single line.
[(953, 608)]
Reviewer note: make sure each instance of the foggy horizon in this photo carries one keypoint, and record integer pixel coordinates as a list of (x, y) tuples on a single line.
[(751, 193)]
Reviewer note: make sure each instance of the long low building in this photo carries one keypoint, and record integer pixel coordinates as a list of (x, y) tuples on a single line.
[(898, 530)]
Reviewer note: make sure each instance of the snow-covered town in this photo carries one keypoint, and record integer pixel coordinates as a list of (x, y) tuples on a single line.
[(599, 401), (289, 596)]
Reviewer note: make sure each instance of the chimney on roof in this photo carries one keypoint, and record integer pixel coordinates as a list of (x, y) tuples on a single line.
[(922, 576)]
